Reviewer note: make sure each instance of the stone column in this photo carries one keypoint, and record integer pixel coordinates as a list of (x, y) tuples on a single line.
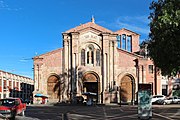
[(105, 71), (74, 60), (95, 64), (105, 45), (113, 57), (111, 65), (66, 40), (69, 70), (114, 66)]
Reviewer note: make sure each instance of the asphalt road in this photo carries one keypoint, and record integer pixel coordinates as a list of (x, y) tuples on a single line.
[(99, 112)]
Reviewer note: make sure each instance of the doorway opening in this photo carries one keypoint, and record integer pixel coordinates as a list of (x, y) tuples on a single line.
[(127, 89)]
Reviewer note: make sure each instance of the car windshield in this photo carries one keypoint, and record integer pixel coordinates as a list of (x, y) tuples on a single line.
[(7, 102)]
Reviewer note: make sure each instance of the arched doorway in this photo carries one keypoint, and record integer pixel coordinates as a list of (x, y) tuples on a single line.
[(52, 91), (91, 84), (127, 89)]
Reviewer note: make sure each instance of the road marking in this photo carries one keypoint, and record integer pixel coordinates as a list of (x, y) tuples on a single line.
[(117, 108), (78, 115), (129, 116), (105, 114), (163, 116), (177, 113)]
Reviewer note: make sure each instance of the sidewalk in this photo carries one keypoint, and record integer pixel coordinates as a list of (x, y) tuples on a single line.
[(168, 106), (109, 104), (40, 104)]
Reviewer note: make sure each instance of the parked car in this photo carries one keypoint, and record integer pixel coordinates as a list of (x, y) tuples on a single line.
[(176, 100), (10, 107), (169, 100), (28, 101), (157, 98)]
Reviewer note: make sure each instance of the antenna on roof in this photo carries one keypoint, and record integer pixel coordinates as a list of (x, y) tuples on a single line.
[(92, 19)]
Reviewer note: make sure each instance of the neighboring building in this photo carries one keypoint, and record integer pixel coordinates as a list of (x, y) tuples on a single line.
[(12, 85), (95, 59), (174, 85)]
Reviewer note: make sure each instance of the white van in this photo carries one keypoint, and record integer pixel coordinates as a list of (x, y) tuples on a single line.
[(157, 97)]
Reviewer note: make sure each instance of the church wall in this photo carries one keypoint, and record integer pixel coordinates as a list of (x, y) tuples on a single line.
[(126, 66), (115, 62), (125, 59), (46, 65)]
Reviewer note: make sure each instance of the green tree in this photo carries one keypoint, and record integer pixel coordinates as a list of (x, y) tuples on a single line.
[(164, 43)]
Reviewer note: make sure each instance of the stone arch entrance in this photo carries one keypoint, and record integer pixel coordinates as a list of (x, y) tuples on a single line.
[(127, 89), (91, 84), (51, 87)]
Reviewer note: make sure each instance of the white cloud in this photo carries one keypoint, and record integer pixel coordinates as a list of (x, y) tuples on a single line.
[(138, 24), (5, 6), (140, 19), (143, 30)]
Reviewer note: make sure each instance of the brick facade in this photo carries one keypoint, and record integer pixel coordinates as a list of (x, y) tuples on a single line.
[(108, 71)]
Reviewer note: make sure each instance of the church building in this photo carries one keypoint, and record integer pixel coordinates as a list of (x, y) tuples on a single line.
[(95, 60)]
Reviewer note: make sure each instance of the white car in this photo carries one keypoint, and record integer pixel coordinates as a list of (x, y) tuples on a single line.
[(176, 100), (168, 100), (156, 98)]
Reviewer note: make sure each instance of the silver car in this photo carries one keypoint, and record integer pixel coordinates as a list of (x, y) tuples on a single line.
[(156, 98), (176, 100)]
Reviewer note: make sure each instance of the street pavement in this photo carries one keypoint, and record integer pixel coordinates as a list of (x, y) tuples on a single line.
[(97, 112)]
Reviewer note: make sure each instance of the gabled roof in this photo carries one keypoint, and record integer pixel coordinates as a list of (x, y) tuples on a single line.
[(89, 25), (129, 53), (124, 29), (48, 53)]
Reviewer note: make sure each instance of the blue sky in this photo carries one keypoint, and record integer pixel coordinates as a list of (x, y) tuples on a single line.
[(33, 27)]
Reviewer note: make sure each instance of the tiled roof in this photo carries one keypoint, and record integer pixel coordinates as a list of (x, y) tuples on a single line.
[(48, 53), (89, 25), (129, 53), (124, 29)]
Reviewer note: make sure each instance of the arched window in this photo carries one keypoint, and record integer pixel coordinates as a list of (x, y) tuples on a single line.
[(88, 57), (98, 56), (129, 43), (124, 41), (119, 41), (90, 54), (83, 57)]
